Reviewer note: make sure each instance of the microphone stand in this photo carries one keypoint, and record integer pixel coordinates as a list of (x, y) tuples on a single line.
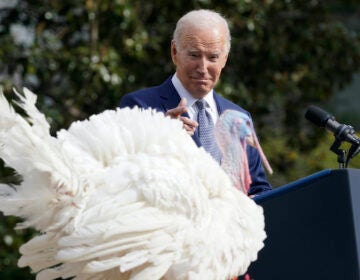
[(341, 153), (342, 132), (353, 151)]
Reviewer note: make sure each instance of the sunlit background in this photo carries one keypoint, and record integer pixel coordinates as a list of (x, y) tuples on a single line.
[(80, 57)]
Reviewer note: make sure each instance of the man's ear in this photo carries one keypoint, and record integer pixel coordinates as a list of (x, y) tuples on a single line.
[(225, 60), (173, 52)]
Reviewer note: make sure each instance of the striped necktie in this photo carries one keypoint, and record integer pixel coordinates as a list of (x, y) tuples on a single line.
[(205, 130)]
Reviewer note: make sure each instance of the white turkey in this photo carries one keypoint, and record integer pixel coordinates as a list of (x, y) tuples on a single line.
[(125, 194)]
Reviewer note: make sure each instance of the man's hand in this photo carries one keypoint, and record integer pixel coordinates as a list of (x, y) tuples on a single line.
[(175, 113)]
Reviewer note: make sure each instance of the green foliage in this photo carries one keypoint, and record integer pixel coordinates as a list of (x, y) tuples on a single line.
[(292, 163), (10, 242), (80, 57)]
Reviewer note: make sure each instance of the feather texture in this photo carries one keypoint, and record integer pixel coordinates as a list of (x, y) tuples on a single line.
[(125, 194), (233, 132)]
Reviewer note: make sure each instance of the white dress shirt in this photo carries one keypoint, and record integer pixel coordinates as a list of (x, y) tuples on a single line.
[(191, 107)]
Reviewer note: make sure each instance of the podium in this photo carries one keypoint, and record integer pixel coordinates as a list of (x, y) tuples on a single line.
[(313, 229)]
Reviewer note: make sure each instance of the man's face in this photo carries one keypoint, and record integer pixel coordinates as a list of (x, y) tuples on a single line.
[(199, 58)]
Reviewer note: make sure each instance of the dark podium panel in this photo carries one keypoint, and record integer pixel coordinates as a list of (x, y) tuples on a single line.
[(313, 229)]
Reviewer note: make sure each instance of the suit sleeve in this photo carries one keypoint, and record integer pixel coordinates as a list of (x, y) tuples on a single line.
[(131, 100)]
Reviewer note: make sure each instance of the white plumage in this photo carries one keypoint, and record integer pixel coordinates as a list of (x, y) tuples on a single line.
[(125, 194)]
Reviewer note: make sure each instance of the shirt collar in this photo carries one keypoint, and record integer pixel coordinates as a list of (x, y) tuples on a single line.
[(209, 97)]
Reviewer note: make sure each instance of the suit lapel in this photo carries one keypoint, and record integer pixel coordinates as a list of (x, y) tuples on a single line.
[(219, 104), (169, 99)]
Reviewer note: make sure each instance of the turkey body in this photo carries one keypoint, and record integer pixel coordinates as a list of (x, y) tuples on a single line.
[(125, 194)]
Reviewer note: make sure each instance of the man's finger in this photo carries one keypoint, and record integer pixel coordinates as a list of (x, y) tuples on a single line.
[(189, 122), (179, 110), (182, 102), (176, 112)]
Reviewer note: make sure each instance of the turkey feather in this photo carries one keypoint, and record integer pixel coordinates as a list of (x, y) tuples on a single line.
[(126, 194)]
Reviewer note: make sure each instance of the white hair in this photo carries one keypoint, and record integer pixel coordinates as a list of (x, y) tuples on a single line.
[(201, 18)]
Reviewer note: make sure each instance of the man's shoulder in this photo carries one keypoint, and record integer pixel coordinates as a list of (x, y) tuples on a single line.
[(144, 91), (226, 104), (152, 90), (145, 97), (148, 97)]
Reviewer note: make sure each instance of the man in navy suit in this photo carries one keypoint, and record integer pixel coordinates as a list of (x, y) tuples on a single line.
[(199, 50)]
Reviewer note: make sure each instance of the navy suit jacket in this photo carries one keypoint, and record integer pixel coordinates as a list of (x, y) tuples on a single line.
[(165, 97)]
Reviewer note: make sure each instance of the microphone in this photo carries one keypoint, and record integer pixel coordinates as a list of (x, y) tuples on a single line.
[(322, 118)]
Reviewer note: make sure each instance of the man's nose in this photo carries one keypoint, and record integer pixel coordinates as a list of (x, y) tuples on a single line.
[(202, 65)]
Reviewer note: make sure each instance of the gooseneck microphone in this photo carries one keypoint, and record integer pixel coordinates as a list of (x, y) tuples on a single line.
[(321, 118)]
